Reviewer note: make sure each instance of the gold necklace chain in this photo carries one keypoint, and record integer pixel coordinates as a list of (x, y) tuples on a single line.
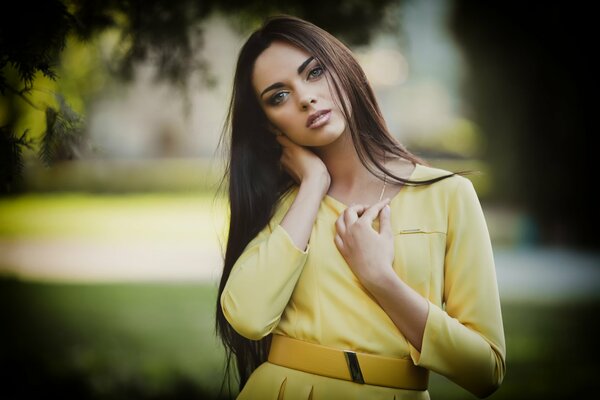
[(384, 180)]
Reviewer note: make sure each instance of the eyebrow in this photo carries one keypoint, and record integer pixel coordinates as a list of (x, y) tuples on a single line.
[(276, 85)]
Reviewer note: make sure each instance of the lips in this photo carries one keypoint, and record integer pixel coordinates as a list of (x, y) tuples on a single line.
[(312, 117)]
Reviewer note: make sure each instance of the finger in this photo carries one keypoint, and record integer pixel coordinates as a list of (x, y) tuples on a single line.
[(371, 213), (339, 243), (340, 225), (362, 209), (385, 221), (351, 214)]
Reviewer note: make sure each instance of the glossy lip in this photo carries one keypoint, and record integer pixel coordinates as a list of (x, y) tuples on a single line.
[(314, 116)]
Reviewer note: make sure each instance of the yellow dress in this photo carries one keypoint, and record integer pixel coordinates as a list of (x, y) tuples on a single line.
[(442, 250)]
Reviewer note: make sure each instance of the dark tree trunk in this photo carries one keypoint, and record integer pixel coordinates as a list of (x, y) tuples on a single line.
[(528, 68)]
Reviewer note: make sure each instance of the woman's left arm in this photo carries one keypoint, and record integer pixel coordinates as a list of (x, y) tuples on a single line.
[(463, 341), (466, 340)]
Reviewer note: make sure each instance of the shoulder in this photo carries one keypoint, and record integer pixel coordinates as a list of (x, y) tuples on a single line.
[(446, 194), (447, 185)]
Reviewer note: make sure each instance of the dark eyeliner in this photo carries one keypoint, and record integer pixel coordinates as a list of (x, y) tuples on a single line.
[(272, 100), (318, 66)]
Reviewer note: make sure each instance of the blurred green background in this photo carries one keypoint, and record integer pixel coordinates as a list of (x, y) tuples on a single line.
[(113, 296), (112, 228)]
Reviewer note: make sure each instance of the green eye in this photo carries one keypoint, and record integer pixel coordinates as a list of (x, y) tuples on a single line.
[(316, 72)]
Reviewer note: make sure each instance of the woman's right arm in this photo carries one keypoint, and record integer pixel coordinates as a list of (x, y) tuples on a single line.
[(264, 276), (300, 218)]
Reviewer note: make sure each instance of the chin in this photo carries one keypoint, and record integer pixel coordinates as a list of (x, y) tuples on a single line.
[(326, 139), (324, 136), (335, 132)]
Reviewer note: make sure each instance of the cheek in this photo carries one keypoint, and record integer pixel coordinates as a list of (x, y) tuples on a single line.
[(346, 103), (273, 114), (283, 117), (329, 92)]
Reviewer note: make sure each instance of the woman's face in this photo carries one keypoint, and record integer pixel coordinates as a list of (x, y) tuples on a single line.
[(291, 87)]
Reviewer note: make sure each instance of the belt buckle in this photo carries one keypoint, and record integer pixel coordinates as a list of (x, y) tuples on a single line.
[(353, 366)]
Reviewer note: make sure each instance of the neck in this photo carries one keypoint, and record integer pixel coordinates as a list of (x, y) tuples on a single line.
[(347, 172)]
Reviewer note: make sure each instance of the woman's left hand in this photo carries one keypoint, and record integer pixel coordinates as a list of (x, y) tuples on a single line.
[(369, 253)]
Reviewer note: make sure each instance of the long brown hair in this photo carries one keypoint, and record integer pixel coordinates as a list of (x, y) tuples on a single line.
[(256, 183)]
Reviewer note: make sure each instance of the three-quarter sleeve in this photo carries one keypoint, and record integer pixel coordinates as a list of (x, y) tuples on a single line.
[(464, 341), (261, 282)]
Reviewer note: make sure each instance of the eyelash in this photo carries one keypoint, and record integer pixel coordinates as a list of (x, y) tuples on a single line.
[(273, 99)]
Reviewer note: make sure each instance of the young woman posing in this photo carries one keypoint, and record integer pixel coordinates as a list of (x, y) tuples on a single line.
[(352, 267)]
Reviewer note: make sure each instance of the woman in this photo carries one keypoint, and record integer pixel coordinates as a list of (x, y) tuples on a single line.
[(352, 267)]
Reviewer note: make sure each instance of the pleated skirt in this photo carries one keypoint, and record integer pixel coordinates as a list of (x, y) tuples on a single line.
[(274, 382)]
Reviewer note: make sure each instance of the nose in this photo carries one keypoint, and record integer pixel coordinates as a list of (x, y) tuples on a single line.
[(306, 99)]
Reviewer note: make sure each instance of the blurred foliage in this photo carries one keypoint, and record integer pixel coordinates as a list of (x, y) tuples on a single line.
[(124, 176), (11, 160), (61, 139), (460, 139), (168, 34)]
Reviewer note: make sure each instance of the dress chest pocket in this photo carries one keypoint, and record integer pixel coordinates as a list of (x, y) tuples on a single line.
[(412, 258)]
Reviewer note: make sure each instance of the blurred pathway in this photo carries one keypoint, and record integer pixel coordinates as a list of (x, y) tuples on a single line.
[(526, 273), (71, 260), (547, 274)]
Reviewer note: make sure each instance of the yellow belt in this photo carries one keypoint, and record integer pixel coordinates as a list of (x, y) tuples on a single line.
[(346, 364)]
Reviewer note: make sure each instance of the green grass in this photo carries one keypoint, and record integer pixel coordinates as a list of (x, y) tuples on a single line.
[(149, 216), (147, 340), (156, 341)]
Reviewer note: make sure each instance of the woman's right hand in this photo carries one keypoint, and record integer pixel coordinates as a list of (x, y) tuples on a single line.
[(302, 164)]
